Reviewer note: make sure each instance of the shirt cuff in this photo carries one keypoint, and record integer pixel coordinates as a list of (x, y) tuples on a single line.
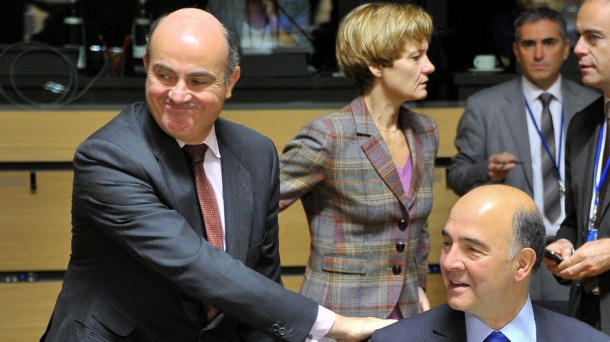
[(322, 325)]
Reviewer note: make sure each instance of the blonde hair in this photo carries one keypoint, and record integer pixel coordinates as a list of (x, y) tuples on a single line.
[(376, 34)]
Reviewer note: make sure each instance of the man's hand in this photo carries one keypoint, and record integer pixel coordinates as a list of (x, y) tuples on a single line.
[(424, 303), (499, 165), (354, 329), (591, 259)]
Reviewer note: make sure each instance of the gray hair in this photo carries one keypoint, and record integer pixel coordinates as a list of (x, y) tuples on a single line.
[(528, 232), (232, 62), (541, 13)]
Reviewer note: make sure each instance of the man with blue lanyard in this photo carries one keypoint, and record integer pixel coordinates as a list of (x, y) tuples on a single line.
[(514, 133), (582, 240)]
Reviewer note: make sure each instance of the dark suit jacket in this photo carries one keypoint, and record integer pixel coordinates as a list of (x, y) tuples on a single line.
[(445, 324), (141, 269), (495, 121), (581, 146)]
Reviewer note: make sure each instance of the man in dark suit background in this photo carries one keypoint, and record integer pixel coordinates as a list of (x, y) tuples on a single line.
[(493, 242), (499, 135), (141, 268), (583, 239)]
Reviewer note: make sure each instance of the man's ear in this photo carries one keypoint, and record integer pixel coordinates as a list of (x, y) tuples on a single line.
[(145, 60), (234, 77), (526, 259)]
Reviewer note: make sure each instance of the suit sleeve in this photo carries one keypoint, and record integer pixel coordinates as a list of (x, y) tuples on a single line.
[(469, 166), (114, 191), (303, 162)]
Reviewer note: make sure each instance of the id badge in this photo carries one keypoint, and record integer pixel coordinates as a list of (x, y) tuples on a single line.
[(592, 235)]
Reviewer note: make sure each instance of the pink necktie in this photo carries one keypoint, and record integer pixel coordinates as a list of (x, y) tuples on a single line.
[(207, 202)]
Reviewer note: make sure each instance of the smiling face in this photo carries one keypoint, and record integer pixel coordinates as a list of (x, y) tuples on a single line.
[(541, 51), (479, 277), (185, 84), (593, 46)]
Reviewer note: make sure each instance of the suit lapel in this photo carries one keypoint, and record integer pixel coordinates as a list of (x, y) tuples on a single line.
[(175, 170), (237, 194), (376, 150), (516, 122), (450, 326), (597, 116)]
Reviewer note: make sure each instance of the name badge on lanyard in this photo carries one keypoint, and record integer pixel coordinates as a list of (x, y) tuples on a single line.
[(593, 224)]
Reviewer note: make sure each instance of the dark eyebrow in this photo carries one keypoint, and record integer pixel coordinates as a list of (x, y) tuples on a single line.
[(468, 239), (192, 74), (588, 31), (164, 67)]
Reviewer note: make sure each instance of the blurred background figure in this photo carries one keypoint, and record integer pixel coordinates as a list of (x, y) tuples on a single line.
[(265, 24)]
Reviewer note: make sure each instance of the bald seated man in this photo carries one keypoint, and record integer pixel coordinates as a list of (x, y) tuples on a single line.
[(493, 243), (141, 267)]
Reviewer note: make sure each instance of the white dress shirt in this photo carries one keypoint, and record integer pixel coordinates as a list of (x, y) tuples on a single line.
[(521, 329), (531, 93)]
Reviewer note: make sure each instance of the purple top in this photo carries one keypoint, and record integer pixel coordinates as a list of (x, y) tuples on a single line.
[(405, 174)]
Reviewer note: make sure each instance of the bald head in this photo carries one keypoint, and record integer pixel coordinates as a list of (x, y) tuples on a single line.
[(511, 212), (192, 25)]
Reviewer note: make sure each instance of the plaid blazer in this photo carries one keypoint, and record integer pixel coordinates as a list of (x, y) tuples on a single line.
[(358, 213)]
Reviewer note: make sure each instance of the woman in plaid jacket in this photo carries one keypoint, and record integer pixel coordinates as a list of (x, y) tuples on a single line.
[(364, 174)]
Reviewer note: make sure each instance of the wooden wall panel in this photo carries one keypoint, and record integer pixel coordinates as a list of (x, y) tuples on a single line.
[(25, 309), (444, 199), (35, 225)]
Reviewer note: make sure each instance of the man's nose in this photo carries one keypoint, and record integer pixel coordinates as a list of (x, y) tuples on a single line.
[(179, 93), (451, 260), (580, 48)]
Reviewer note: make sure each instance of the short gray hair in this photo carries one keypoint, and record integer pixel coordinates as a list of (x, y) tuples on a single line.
[(541, 13), (528, 232)]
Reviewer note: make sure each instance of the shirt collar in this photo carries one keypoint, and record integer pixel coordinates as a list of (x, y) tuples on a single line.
[(210, 140), (521, 328), (532, 92), (606, 100)]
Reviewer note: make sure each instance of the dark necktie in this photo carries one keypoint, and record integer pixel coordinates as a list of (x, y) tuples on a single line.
[(207, 201), (552, 205), (496, 336)]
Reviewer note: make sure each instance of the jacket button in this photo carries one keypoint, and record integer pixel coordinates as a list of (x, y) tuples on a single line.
[(402, 224), (275, 328), (400, 246), (282, 331), (396, 269)]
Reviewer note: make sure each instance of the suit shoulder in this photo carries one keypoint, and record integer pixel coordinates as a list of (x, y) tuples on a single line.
[(241, 132), (589, 93), (422, 325), (566, 328), (492, 92)]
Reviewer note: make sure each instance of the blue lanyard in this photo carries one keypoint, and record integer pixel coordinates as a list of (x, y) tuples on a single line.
[(602, 178), (557, 161)]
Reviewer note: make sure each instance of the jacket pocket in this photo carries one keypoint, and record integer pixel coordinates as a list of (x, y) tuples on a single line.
[(342, 264), (107, 320)]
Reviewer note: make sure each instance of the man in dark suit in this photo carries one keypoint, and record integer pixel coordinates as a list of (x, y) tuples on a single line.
[(141, 268), (499, 135), (493, 242), (583, 239)]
